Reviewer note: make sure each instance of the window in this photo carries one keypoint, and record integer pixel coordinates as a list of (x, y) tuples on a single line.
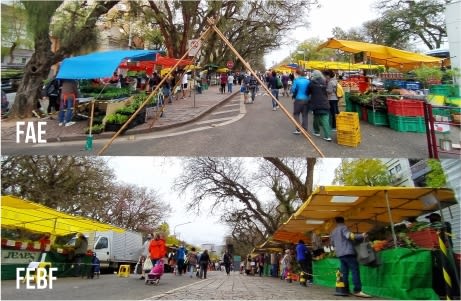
[(398, 168), (103, 243)]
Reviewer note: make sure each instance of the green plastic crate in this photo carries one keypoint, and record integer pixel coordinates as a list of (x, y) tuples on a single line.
[(377, 117), (407, 124), (441, 111), (446, 90)]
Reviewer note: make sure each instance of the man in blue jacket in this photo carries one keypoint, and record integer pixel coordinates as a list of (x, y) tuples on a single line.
[(304, 259), (341, 239), (300, 105)]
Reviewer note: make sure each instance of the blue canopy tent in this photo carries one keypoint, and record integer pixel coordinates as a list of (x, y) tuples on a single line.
[(100, 64)]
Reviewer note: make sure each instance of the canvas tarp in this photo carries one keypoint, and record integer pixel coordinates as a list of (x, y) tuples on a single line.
[(388, 56), (403, 274), (100, 64), (362, 207), (19, 213)]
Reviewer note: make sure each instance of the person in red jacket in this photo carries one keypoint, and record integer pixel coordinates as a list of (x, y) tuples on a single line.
[(157, 248)]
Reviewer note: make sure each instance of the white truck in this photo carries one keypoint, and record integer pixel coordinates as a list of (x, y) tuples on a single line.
[(114, 248)]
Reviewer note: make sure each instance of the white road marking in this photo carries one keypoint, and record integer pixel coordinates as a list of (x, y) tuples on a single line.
[(224, 112)]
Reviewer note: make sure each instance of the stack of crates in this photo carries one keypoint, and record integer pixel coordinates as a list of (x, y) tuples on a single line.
[(406, 115), (348, 129)]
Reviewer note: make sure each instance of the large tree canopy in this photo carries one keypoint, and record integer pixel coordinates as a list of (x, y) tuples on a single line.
[(83, 186), (254, 203), (422, 20), (79, 33), (362, 172)]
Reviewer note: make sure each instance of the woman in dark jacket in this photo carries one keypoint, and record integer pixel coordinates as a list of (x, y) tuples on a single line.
[(204, 261), (320, 105)]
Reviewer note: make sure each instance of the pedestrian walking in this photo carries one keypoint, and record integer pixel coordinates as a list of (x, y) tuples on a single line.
[(286, 264), (274, 265), (69, 93), (299, 91), (304, 259), (341, 239), (230, 82), (81, 246), (204, 262), (223, 81), (285, 80), (332, 84), (274, 83), (157, 248), (320, 105), (144, 255), (180, 258), (227, 259), (192, 261)]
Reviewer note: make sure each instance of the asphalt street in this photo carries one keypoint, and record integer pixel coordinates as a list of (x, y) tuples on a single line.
[(172, 287), (237, 129)]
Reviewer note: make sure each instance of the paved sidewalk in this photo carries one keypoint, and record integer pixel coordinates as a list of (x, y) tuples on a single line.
[(180, 112), (219, 286)]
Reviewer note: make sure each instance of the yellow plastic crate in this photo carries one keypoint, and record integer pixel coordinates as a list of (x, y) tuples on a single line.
[(438, 100), (347, 120), (349, 138)]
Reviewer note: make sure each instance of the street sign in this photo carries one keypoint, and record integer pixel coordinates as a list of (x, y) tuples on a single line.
[(194, 46), (230, 64)]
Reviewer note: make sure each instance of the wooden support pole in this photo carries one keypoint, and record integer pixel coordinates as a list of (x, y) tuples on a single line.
[(211, 23)]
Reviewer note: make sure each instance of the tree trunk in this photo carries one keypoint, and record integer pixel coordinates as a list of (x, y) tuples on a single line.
[(36, 70)]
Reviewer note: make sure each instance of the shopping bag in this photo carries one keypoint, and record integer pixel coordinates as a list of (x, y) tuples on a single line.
[(147, 265), (365, 254)]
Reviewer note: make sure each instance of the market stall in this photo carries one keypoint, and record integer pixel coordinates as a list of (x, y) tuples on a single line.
[(375, 209), (30, 231)]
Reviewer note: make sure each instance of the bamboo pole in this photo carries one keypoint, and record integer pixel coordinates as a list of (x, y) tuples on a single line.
[(211, 23), (202, 36)]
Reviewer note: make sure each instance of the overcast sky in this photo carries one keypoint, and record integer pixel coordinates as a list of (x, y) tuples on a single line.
[(332, 13), (160, 172)]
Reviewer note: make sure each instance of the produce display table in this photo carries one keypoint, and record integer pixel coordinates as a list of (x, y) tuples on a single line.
[(12, 259), (402, 274)]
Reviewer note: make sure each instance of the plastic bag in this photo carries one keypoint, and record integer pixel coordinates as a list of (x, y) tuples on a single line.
[(147, 266), (365, 254)]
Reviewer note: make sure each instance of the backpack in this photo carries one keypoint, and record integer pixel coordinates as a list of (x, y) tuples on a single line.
[(339, 90), (278, 83)]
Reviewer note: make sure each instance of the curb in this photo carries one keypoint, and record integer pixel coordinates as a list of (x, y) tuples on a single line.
[(142, 131)]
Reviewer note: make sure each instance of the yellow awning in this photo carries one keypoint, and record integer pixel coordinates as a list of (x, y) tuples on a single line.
[(362, 207), (321, 65), (19, 213), (223, 70), (385, 55)]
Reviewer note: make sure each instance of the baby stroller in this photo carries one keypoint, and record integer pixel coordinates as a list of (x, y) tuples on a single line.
[(155, 273)]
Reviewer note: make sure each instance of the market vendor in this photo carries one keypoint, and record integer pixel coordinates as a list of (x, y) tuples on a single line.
[(436, 222), (44, 241)]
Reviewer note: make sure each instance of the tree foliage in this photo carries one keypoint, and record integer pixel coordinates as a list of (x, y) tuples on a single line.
[(80, 34), (362, 172), (419, 20), (83, 186), (14, 29), (253, 27), (436, 178), (254, 203)]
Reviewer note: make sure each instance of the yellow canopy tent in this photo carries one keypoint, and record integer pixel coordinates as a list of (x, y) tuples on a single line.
[(336, 65), (362, 207), (388, 56), (222, 70), (19, 213)]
